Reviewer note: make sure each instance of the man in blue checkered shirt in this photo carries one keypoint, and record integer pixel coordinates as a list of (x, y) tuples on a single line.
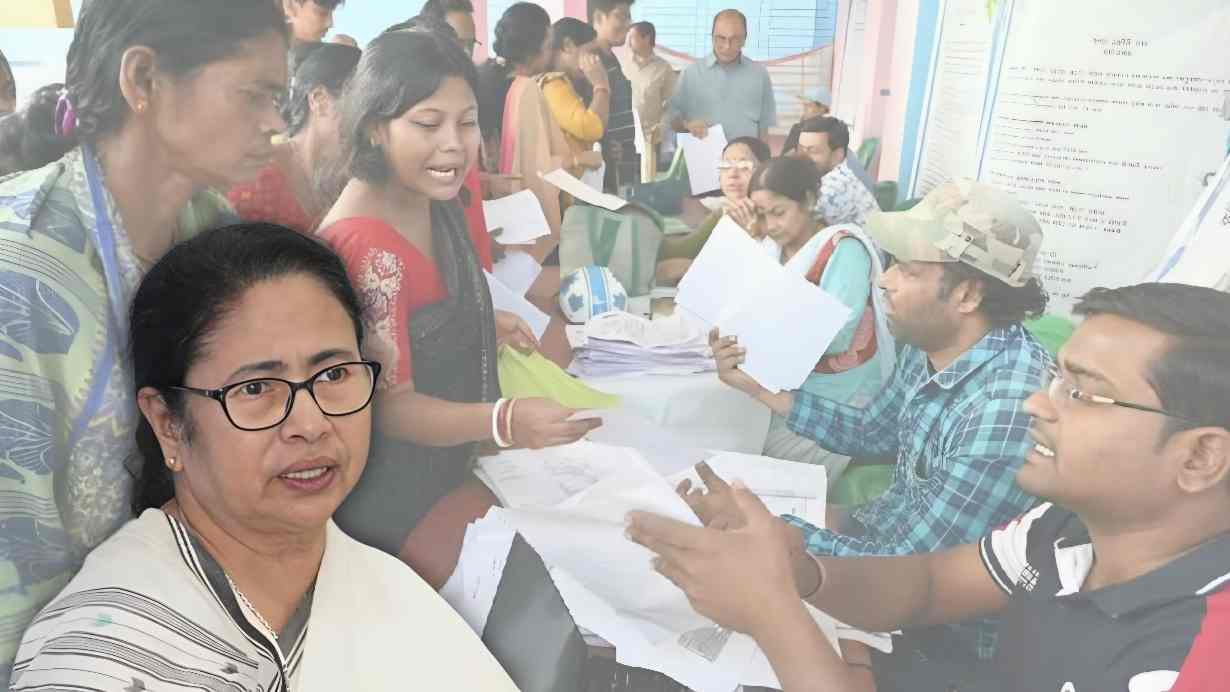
[(952, 412)]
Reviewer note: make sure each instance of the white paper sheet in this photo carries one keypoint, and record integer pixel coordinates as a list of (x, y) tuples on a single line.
[(614, 568), (546, 477), (786, 487), (517, 271), (703, 156), (784, 321), (472, 588), (503, 298), (565, 181), (595, 177), (729, 260), (786, 324), (518, 218)]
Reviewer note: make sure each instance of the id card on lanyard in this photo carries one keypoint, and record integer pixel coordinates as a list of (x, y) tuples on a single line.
[(117, 322)]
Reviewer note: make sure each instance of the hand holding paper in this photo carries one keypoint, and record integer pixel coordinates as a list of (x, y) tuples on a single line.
[(784, 321)]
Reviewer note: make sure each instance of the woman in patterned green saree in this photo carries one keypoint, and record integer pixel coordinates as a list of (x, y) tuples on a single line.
[(164, 100)]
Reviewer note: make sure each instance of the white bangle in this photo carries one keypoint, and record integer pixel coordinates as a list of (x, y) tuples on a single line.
[(495, 425), (512, 406)]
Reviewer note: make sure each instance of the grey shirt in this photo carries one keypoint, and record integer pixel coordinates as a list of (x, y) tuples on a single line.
[(739, 96)]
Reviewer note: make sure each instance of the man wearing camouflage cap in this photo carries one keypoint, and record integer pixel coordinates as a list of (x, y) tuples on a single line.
[(957, 291)]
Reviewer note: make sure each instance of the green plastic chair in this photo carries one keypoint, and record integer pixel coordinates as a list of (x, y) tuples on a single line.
[(665, 194), (886, 194), (1052, 331), (867, 152), (861, 484)]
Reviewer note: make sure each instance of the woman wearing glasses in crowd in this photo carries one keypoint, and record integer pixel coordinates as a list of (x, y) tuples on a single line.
[(410, 132), (285, 192), (740, 158), (164, 99), (247, 354)]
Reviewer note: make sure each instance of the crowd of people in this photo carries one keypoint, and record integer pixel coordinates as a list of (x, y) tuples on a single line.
[(218, 211)]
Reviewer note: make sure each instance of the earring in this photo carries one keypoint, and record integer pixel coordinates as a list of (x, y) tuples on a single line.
[(141, 107), (171, 464)]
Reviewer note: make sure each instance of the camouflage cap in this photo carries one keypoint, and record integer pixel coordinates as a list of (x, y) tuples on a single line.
[(964, 221)]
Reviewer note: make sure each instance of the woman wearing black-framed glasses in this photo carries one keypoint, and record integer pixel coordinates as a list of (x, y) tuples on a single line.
[(247, 352)]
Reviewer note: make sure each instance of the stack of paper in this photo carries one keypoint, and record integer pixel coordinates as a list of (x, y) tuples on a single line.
[(546, 477), (784, 321), (620, 343)]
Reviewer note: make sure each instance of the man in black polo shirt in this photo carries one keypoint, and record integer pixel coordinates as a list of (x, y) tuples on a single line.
[(1121, 582)]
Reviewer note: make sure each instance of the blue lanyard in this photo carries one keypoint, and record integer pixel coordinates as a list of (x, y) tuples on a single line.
[(104, 240)]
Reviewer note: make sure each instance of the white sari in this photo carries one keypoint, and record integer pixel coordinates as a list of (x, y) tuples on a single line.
[(145, 613)]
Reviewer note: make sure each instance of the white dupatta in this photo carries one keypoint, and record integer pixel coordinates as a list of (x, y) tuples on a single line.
[(376, 625), (142, 614), (802, 261)]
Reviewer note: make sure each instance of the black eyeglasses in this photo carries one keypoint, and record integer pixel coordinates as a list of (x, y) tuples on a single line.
[(263, 403), (1057, 387)]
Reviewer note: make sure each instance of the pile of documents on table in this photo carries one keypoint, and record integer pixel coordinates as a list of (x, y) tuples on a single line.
[(569, 504), (620, 343)]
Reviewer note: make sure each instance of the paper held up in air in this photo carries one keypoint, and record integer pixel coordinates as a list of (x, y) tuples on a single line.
[(784, 321)]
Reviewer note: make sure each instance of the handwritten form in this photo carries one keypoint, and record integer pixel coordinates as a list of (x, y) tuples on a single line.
[(783, 320), (702, 157)]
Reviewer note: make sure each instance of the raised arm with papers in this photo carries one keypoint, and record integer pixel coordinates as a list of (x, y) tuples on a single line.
[(785, 322)]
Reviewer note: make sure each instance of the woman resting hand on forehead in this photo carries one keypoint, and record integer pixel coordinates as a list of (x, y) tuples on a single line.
[(246, 344), (740, 159), (410, 133)]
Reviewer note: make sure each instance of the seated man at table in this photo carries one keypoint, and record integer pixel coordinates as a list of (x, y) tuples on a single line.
[(1120, 582), (952, 411)]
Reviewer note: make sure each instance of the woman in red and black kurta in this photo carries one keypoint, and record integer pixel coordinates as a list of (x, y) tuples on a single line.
[(409, 137)]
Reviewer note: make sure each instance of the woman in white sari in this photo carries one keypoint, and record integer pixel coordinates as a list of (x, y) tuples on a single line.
[(844, 262), (255, 395)]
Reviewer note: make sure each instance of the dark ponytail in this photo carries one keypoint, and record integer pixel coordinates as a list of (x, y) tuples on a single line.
[(313, 65), (27, 138)]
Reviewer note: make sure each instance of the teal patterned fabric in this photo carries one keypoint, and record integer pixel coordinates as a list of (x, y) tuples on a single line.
[(67, 410)]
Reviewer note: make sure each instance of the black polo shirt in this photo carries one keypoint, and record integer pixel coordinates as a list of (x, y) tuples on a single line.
[(1166, 630)]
